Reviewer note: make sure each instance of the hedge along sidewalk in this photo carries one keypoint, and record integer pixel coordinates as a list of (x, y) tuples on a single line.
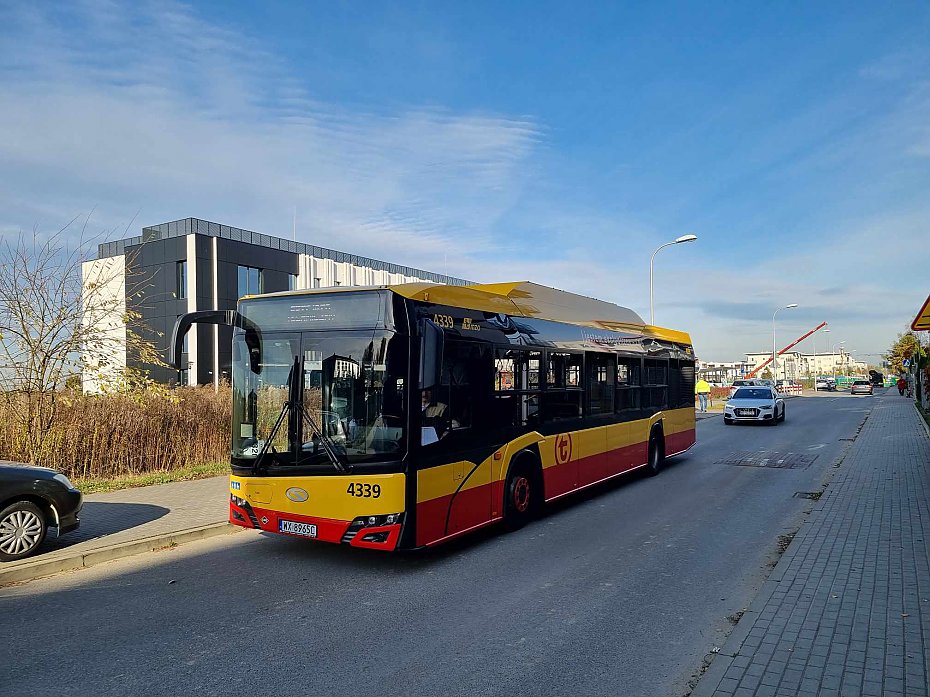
[(122, 523)]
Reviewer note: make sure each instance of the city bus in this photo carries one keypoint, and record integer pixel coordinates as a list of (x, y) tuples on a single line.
[(402, 416)]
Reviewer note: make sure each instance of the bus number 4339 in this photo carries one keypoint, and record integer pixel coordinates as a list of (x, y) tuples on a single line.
[(362, 490)]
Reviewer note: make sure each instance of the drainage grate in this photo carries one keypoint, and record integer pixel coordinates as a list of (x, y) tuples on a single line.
[(812, 495), (771, 460)]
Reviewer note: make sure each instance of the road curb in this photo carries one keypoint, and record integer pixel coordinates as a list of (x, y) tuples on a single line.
[(38, 568)]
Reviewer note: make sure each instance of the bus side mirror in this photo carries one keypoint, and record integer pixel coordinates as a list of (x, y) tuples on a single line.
[(432, 341), (229, 318)]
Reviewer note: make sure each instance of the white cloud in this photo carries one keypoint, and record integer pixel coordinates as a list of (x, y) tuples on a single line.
[(151, 108)]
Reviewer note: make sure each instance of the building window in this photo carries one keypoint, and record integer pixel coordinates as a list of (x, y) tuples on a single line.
[(250, 281), (181, 290)]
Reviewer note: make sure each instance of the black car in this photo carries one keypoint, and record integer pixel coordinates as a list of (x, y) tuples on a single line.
[(34, 501)]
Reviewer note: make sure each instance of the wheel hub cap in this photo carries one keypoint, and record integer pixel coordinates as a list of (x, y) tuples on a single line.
[(19, 532)]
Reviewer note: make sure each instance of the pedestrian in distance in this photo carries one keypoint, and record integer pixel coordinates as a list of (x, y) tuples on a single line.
[(902, 385), (702, 390)]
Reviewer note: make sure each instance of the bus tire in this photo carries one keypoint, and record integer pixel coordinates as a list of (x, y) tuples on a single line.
[(656, 452), (522, 493)]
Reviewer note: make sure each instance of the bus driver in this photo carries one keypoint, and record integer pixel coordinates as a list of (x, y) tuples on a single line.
[(434, 413)]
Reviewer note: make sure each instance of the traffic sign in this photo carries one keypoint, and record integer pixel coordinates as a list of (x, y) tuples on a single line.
[(921, 322), (906, 363)]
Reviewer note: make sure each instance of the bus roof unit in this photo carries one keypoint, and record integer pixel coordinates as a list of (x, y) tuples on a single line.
[(525, 299)]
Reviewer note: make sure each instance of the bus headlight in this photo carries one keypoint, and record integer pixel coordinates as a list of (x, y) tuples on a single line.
[(374, 521)]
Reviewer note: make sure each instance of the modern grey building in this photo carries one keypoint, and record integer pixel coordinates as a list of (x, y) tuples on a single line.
[(192, 264)]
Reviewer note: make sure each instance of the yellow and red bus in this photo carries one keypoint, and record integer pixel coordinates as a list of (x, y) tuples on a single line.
[(399, 417)]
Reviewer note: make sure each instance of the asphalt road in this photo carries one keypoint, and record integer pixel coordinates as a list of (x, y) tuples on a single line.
[(621, 591)]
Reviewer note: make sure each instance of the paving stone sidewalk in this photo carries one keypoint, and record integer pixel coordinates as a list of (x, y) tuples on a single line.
[(847, 609), (135, 514)]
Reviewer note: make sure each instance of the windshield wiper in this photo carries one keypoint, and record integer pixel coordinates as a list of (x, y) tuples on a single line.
[(257, 467), (329, 446)]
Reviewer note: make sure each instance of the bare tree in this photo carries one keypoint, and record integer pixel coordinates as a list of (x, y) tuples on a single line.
[(60, 316)]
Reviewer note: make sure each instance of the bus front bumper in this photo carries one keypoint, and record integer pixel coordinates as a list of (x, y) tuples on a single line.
[(372, 532)]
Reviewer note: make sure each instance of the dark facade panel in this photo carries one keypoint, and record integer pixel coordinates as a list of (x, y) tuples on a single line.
[(274, 281), (152, 282)]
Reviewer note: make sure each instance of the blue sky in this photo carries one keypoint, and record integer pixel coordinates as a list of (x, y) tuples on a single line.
[(555, 142)]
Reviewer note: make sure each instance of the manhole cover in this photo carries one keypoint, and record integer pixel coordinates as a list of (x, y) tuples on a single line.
[(771, 460)]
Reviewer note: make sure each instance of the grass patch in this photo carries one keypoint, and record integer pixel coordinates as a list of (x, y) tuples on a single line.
[(736, 617), (97, 485), (785, 540), (923, 412)]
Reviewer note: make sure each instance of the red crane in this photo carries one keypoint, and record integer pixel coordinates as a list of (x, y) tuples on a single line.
[(758, 368)]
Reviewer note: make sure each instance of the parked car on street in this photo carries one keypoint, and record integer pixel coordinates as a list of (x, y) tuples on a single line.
[(861, 387), (34, 502), (755, 404), (744, 383)]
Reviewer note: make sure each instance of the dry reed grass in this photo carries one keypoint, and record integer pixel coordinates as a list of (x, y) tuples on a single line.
[(121, 435)]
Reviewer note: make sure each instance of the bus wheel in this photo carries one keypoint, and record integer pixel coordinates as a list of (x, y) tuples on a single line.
[(656, 453), (521, 492)]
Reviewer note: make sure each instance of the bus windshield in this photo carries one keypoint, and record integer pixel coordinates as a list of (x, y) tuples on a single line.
[(350, 385)]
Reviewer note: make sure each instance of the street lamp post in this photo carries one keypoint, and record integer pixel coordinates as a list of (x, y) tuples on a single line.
[(833, 356), (683, 238), (774, 346)]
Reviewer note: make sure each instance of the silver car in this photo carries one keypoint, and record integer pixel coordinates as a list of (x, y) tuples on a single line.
[(754, 404), (743, 383)]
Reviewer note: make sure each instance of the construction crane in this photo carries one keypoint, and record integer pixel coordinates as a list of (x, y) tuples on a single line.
[(758, 368)]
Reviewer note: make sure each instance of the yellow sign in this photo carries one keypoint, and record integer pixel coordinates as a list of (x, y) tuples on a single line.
[(921, 322)]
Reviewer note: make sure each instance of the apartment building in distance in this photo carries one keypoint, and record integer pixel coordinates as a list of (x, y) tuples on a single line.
[(793, 365)]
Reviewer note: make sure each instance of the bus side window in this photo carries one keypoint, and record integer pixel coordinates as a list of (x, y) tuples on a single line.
[(628, 385), (516, 387), (601, 369), (464, 388), (656, 385), (680, 383), (564, 389), (686, 381)]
